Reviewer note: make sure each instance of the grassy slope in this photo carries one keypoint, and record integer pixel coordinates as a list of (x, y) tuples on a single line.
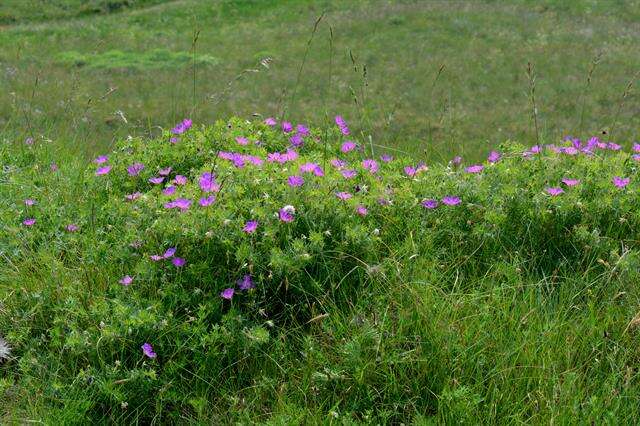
[(480, 99), (513, 306)]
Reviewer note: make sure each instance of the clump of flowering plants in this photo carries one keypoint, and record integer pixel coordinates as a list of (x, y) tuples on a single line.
[(182, 252)]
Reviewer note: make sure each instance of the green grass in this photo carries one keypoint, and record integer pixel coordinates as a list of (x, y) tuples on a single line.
[(479, 99), (512, 307)]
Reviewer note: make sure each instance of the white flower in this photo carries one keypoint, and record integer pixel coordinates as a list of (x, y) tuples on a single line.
[(5, 349)]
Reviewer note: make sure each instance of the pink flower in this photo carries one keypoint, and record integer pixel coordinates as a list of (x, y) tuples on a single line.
[(362, 210), (245, 283), (165, 171), (429, 204), (343, 195), (103, 170), (342, 125), (126, 280), (169, 190), (457, 160), (156, 180), (621, 182), (348, 146), (312, 168), (287, 127), (72, 227), (410, 171), (29, 222), (180, 180), (348, 174), (494, 157), (208, 183), (101, 159), (29, 202), (250, 227), (242, 140), (451, 201), (180, 203), (207, 201), (286, 214), (147, 350), (554, 191), (296, 140), (135, 169), (476, 168), (270, 121), (371, 165), (132, 197), (570, 182), (386, 158), (302, 130), (295, 181), (227, 293)]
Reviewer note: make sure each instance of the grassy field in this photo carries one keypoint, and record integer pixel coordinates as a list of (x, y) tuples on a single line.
[(237, 270), (440, 76)]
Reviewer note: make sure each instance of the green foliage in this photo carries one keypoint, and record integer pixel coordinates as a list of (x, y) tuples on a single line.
[(511, 306), (116, 59)]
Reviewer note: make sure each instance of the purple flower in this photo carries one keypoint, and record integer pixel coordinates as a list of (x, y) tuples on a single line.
[(621, 182), (570, 182), (227, 293), (29, 222), (147, 349), (135, 169), (295, 180), (241, 140), (156, 180), (103, 170), (348, 146), (371, 165), (302, 130), (287, 127), (182, 127), (494, 157), (410, 171), (270, 121), (554, 191), (570, 150), (451, 200), (126, 280), (174, 140), (343, 195), (250, 227), (613, 146), (207, 201), (636, 157), (348, 174), (29, 202), (312, 168), (362, 210), (342, 125), (286, 213), (180, 203), (169, 190), (296, 140), (430, 204), (53, 167), (178, 262), (101, 159), (208, 183), (386, 158), (132, 197), (171, 251), (245, 283), (457, 160), (180, 180), (476, 168), (165, 171), (337, 163), (72, 227), (636, 147)]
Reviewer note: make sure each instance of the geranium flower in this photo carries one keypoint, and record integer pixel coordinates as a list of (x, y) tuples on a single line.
[(429, 204), (348, 173), (337, 163), (208, 183), (103, 170), (147, 350), (457, 160), (494, 157), (342, 125), (241, 140), (287, 127), (295, 181), (410, 171), (165, 171), (171, 251), (178, 262), (371, 165), (270, 121), (245, 283), (180, 180), (135, 169), (207, 201), (554, 191), (180, 203), (348, 146), (126, 280), (312, 168), (386, 158), (72, 227), (101, 159), (250, 227), (169, 190), (227, 293), (156, 180), (29, 202), (182, 127), (476, 168), (29, 222), (362, 210), (570, 182), (451, 200), (286, 213), (343, 195), (132, 197), (621, 182), (296, 140)]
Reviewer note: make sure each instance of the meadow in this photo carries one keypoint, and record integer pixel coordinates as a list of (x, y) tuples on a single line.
[(290, 212)]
